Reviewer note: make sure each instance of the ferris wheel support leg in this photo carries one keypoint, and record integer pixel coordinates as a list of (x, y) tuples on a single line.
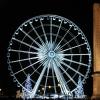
[(38, 83), (61, 80), (58, 78)]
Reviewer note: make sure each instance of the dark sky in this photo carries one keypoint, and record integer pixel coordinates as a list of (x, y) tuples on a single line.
[(15, 12)]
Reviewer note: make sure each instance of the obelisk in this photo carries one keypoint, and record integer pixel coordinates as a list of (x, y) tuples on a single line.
[(96, 51)]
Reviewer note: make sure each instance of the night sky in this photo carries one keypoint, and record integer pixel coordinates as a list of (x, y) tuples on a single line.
[(15, 12)]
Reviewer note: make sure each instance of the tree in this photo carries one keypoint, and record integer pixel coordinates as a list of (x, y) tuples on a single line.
[(28, 88), (79, 91)]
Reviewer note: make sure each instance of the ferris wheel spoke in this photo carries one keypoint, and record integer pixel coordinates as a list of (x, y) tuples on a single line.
[(51, 29), (38, 81), (23, 82), (23, 59), (62, 38), (74, 47), (68, 75), (54, 80), (69, 41), (37, 33), (75, 54), (29, 37), (58, 31), (38, 67), (21, 51), (33, 81), (46, 78), (44, 31), (25, 43), (75, 62), (72, 69), (26, 67)]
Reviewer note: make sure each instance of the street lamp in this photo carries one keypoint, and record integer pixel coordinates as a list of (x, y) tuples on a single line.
[(49, 87)]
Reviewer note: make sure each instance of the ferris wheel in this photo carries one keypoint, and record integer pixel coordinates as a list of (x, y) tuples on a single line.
[(53, 50)]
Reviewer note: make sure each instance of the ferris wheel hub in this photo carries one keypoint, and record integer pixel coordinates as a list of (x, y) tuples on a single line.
[(51, 54)]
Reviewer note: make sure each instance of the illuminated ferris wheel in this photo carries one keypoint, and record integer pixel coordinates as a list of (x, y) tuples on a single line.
[(53, 50)]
